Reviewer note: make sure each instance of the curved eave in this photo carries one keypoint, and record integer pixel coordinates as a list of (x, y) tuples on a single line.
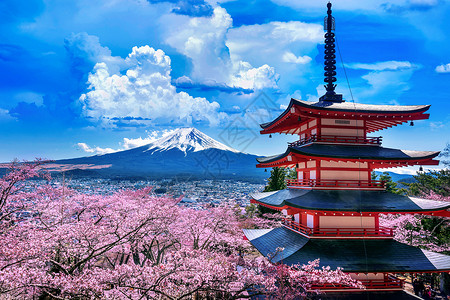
[(397, 114), (375, 255), (350, 201), (327, 152)]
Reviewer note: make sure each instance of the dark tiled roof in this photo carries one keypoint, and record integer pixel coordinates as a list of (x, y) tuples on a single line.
[(348, 200), (351, 107), (352, 152), (360, 107), (353, 255)]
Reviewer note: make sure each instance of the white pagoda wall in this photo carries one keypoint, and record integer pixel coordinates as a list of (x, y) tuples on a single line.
[(368, 276), (346, 222), (343, 175)]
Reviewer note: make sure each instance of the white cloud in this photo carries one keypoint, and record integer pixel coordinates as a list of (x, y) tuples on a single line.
[(291, 58), (5, 116), (203, 40), (97, 150), (143, 92), (444, 68), (390, 78), (127, 143), (383, 66), (248, 77), (355, 5)]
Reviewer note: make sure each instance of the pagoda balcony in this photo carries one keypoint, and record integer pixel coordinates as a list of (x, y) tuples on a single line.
[(336, 184), (376, 141), (390, 283), (383, 232)]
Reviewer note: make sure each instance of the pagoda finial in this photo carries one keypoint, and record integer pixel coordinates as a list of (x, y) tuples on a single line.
[(330, 60)]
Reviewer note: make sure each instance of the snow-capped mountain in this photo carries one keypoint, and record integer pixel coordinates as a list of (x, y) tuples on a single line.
[(185, 152), (187, 140)]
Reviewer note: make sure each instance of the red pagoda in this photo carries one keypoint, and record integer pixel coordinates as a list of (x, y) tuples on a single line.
[(332, 209)]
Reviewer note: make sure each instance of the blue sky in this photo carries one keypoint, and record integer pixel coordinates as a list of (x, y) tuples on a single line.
[(91, 76)]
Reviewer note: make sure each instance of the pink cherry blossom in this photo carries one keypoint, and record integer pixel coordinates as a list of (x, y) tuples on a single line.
[(63, 244)]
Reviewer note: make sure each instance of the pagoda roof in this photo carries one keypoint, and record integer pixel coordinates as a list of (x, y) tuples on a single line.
[(351, 152), (348, 200), (375, 114), (353, 255)]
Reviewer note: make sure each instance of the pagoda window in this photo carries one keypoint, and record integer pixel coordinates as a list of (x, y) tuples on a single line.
[(312, 123), (337, 127), (312, 174), (346, 222), (297, 218), (300, 175), (310, 221), (301, 165)]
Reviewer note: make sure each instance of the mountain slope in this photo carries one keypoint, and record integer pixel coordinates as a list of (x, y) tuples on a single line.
[(185, 152)]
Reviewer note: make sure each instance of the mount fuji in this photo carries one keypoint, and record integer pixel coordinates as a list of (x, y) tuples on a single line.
[(186, 152)]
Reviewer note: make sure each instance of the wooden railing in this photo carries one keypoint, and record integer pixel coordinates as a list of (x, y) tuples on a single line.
[(358, 184), (388, 283), (338, 232), (296, 226), (338, 140)]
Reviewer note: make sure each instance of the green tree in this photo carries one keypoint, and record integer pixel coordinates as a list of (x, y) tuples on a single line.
[(431, 181), (291, 173), (277, 180), (391, 186)]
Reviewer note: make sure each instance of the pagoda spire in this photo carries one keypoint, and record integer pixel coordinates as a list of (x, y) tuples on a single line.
[(330, 60)]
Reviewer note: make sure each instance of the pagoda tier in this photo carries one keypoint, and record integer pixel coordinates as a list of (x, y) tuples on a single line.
[(339, 166), (348, 202), (323, 118), (332, 210), (376, 157), (353, 255)]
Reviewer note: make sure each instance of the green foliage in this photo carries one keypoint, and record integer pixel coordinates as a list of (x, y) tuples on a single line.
[(291, 173), (251, 210), (277, 180), (391, 186), (431, 181), (438, 228)]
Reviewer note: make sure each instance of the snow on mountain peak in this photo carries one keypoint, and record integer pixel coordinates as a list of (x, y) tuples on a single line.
[(187, 140)]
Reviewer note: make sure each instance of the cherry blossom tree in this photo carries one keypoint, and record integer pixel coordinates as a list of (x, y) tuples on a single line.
[(63, 244)]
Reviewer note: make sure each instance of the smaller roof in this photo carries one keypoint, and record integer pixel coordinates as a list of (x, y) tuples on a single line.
[(353, 255), (348, 200), (375, 114), (351, 152)]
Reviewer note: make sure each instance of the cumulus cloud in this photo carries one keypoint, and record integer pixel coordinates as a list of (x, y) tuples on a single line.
[(143, 91), (204, 41), (254, 78), (291, 58), (444, 68)]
